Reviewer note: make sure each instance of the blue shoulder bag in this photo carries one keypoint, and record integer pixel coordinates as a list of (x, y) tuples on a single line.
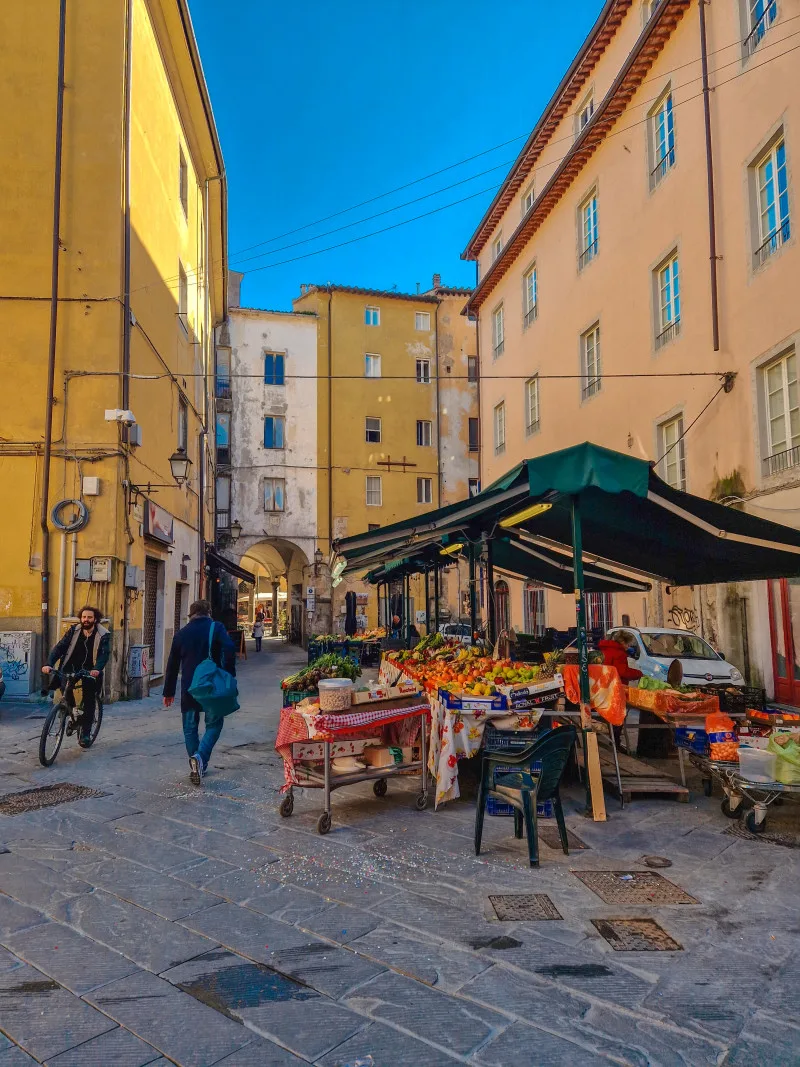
[(214, 689)]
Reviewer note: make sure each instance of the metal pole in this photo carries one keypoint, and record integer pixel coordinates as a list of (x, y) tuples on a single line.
[(490, 594), (427, 603), (583, 649), (712, 225), (473, 595), (436, 597)]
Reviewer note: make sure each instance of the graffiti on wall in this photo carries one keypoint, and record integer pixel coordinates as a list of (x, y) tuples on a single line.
[(684, 618), (16, 648)]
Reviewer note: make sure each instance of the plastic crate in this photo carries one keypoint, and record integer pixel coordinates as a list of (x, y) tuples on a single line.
[(735, 700), (455, 703), (294, 696), (507, 740), (691, 738)]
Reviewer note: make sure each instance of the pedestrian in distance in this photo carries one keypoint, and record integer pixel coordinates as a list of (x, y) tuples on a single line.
[(190, 647), (85, 646), (258, 633)]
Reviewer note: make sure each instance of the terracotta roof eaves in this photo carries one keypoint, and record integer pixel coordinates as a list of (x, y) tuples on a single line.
[(385, 294)]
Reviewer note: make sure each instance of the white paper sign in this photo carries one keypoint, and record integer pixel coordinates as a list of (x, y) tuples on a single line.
[(15, 661)]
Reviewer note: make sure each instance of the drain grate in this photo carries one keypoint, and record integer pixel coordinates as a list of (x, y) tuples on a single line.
[(634, 887), (636, 935), (786, 838), (549, 834), (46, 796), (523, 907)]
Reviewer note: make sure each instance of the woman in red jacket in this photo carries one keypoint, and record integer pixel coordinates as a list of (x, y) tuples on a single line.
[(615, 654)]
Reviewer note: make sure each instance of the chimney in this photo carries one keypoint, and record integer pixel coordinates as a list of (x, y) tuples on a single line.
[(437, 281), (235, 288)]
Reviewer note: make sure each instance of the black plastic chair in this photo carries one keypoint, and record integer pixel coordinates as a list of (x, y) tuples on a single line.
[(524, 787)]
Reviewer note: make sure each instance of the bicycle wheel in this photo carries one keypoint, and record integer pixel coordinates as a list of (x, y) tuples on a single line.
[(98, 718), (53, 733)]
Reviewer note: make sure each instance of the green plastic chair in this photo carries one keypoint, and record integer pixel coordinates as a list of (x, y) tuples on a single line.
[(524, 787)]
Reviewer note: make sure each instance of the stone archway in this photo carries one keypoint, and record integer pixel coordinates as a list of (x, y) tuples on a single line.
[(280, 567)]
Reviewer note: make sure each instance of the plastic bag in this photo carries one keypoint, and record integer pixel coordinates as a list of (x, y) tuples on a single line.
[(788, 762)]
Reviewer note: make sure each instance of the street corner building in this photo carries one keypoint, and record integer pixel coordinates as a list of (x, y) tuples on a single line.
[(112, 279)]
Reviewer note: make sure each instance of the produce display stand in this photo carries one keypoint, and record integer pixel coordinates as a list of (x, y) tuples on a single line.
[(331, 730)]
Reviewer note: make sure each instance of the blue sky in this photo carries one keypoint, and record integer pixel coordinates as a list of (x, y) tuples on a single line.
[(321, 107)]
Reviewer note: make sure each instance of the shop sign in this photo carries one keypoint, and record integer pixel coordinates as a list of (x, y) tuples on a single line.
[(362, 598), (158, 523)]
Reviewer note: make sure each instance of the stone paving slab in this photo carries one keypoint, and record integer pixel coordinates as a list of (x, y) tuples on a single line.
[(339, 923), (419, 956), (116, 1048), (15, 1057), (261, 1054), (104, 809), (75, 962), (388, 1048), (240, 886), (35, 884), (529, 1044), (767, 1040), (14, 916), (330, 970), (155, 892), (255, 936)]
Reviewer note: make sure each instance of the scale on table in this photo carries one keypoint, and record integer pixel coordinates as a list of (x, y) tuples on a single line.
[(675, 674)]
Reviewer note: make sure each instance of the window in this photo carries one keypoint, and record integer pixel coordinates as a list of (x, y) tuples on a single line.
[(274, 368), (661, 121), (497, 246), (422, 320), (374, 491), (372, 431), (761, 14), (274, 431), (500, 428), (472, 368), (599, 611), (424, 371), (372, 366), (584, 115), (773, 202), (590, 358), (372, 526), (183, 424), (223, 376), (498, 331), (588, 234), (423, 433), (531, 406), (223, 435), (529, 296), (648, 7), (782, 405), (183, 181), (527, 199), (534, 609), (183, 298), (223, 502), (668, 286), (673, 457), (424, 490), (474, 485), (372, 316), (474, 435), (274, 494)]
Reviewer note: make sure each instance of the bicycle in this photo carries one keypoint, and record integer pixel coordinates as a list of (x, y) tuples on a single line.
[(64, 716)]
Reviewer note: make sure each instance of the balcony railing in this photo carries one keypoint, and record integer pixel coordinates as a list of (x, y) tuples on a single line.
[(668, 333), (773, 242), (530, 315), (588, 254), (222, 389), (760, 27), (223, 456), (782, 461), (223, 520)]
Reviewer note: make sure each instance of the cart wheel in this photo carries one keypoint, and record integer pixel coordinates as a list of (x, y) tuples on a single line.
[(753, 826), (421, 802), (708, 786), (728, 811), (324, 823), (380, 787), (287, 806)]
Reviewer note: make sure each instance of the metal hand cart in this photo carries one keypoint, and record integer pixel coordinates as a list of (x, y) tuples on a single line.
[(737, 789)]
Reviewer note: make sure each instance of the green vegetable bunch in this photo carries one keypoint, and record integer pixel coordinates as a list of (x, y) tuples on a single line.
[(331, 665)]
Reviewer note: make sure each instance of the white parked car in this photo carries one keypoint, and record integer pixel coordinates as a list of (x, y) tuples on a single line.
[(456, 631), (653, 648)]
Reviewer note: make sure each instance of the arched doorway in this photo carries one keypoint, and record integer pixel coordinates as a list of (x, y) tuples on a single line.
[(502, 606), (280, 567)]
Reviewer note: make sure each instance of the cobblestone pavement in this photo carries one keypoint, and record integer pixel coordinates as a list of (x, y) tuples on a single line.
[(156, 923)]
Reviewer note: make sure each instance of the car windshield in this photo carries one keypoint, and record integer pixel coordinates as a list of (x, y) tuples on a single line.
[(678, 646)]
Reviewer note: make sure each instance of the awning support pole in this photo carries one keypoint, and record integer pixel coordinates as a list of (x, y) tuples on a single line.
[(583, 648), (490, 594), (473, 595), (436, 597), (427, 603)]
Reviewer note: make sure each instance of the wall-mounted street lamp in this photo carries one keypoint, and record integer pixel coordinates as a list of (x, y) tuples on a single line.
[(179, 464), (235, 530)]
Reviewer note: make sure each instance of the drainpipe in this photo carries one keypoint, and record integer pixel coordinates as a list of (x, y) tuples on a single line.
[(330, 425), (712, 225), (126, 313), (479, 386), (438, 414), (51, 355)]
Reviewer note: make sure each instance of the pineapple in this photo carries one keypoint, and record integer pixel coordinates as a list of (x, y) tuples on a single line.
[(552, 662)]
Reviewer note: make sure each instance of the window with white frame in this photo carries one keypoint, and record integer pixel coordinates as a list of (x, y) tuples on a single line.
[(532, 405), (534, 618), (668, 290), (374, 491), (472, 368), (760, 16), (424, 490), (183, 181), (422, 320), (274, 494), (223, 502), (584, 113), (672, 452), (473, 486), (498, 331), (774, 226), (782, 409), (372, 316), (372, 430), (528, 198), (661, 121), (372, 365), (648, 8), (588, 230), (497, 246), (590, 357), (183, 298), (424, 371), (423, 433), (183, 424), (530, 283), (499, 428)]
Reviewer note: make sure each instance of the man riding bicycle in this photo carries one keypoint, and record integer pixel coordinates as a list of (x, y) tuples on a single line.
[(85, 646)]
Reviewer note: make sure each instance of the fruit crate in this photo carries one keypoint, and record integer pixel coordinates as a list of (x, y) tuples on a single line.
[(291, 697), (737, 700), (472, 703), (692, 738)]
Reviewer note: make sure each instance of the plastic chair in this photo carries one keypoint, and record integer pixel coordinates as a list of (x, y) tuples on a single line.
[(523, 788)]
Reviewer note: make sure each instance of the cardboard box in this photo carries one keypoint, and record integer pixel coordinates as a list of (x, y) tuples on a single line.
[(385, 757), (315, 750), (469, 703), (379, 693)]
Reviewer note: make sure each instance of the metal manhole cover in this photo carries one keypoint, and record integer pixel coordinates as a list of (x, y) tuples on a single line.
[(46, 796), (786, 838), (634, 887), (523, 907), (636, 935), (656, 861), (549, 834)]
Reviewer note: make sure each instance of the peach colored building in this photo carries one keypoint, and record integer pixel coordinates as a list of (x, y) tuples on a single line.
[(605, 253)]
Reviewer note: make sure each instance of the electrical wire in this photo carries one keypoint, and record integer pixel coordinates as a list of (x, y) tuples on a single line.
[(678, 440), (412, 377)]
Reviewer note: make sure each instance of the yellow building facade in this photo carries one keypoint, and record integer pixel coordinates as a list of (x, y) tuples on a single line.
[(397, 400), (112, 276)]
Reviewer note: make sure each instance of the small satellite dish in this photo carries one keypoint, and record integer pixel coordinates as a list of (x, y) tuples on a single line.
[(675, 673)]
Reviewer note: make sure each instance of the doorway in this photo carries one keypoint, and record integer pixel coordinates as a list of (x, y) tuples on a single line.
[(784, 624), (153, 616)]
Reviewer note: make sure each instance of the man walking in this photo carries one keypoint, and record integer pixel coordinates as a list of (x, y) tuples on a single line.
[(85, 646), (190, 646)]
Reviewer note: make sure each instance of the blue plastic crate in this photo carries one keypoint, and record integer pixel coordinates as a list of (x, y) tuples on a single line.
[(544, 809), (692, 738)]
